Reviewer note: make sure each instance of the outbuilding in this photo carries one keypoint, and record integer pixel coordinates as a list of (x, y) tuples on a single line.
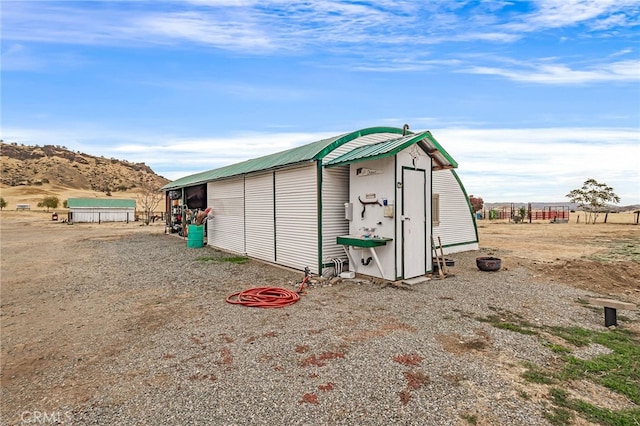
[(97, 210), (370, 199)]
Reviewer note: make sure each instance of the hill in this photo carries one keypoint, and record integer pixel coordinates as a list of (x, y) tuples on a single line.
[(29, 173), (35, 165)]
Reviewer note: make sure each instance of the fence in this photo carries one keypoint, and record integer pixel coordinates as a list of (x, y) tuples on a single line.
[(549, 214), (513, 212), (559, 214)]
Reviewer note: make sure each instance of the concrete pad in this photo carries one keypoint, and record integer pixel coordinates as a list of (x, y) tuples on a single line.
[(416, 280)]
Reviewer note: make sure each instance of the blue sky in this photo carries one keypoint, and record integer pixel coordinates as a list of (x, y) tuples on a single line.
[(530, 97)]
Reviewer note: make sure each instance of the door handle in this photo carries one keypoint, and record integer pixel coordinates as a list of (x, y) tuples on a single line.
[(403, 218)]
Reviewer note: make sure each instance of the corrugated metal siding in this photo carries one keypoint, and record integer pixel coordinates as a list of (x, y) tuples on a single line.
[(259, 216), (297, 218), (456, 228), (226, 229), (361, 141), (95, 215), (335, 192)]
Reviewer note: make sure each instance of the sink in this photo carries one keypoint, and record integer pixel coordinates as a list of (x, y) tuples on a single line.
[(358, 241)]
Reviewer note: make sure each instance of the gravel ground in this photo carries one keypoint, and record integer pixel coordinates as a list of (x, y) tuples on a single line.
[(149, 339)]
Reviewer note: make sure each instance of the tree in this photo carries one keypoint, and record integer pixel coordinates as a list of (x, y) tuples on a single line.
[(593, 197), (476, 203), (3, 203), (149, 198), (522, 213), (49, 202)]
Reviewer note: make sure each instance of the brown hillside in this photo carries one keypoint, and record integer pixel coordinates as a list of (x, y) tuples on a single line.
[(30, 173), (35, 165)]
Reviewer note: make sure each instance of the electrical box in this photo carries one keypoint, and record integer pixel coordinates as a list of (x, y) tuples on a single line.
[(348, 211)]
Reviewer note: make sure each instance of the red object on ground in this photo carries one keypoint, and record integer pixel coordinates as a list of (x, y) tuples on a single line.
[(264, 297)]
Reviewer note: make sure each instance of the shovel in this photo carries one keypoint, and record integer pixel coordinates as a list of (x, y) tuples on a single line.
[(433, 246)]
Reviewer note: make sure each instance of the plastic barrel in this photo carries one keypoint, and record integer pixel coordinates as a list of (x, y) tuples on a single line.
[(195, 236)]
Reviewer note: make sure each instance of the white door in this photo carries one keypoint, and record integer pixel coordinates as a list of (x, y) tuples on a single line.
[(414, 235)]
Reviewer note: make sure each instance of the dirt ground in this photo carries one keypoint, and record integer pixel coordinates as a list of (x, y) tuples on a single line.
[(602, 258)]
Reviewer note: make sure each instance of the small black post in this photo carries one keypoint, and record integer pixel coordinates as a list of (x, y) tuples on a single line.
[(610, 317)]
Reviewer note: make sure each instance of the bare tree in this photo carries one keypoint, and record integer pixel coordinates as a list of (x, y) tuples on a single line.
[(149, 198)]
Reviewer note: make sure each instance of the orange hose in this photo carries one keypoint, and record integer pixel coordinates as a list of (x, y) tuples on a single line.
[(264, 297)]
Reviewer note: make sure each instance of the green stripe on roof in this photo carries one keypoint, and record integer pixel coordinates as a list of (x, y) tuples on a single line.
[(341, 140), (101, 202), (391, 147), (378, 150), (309, 152)]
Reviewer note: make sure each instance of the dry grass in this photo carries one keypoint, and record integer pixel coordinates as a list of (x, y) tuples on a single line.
[(32, 195)]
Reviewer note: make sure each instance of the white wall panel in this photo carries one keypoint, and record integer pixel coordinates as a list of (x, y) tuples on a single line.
[(335, 192), (379, 186), (226, 229), (296, 195), (95, 215), (456, 228), (259, 216)]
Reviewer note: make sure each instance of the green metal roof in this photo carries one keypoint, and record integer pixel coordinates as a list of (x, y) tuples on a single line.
[(309, 152), (279, 159), (393, 146), (111, 203)]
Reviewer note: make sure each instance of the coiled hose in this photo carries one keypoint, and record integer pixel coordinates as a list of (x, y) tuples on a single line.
[(264, 297)]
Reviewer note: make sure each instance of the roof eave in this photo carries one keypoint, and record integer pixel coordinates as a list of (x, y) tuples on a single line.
[(442, 151)]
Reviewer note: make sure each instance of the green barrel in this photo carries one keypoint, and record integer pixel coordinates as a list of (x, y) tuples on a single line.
[(195, 236)]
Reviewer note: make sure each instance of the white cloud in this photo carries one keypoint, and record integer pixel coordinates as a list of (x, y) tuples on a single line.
[(167, 155), (545, 73), (599, 14), (204, 153), (372, 35), (230, 33), (254, 26), (544, 164), (518, 165)]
